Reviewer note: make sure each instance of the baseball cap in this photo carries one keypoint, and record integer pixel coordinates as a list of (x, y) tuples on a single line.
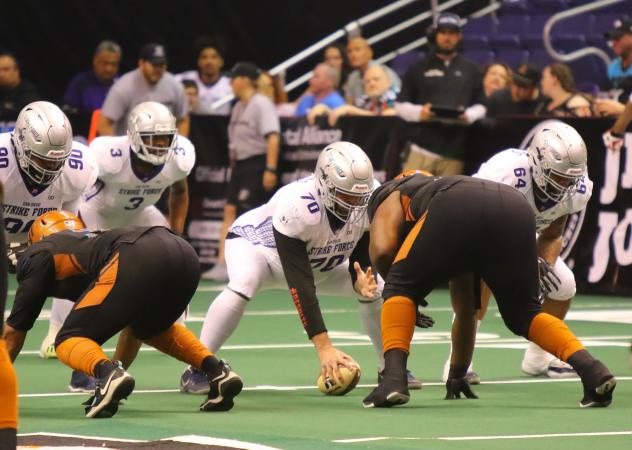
[(244, 69), (527, 75), (154, 53), (619, 28), (449, 20)]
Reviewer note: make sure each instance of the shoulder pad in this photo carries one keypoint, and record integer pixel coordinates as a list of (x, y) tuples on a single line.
[(184, 155), (297, 210), (111, 153), (502, 166), (80, 171)]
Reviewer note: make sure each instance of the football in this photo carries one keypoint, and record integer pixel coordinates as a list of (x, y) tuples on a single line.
[(330, 386)]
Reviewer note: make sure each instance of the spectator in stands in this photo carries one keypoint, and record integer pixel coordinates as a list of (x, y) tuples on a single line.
[(559, 86), (615, 136), (87, 90), (322, 89), (620, 70), (212, 85), (336, 57), (192, 93), (496, 76), (378, 100), (361, 58), (15, 93), (253, 142), (272, 87), (443, 79), (521, 98), (150, 82)]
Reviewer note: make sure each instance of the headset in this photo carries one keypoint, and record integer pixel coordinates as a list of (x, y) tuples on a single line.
[(431, 31)]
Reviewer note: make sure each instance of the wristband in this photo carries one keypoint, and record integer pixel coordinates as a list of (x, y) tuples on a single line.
[(617, 135), (271, 169)]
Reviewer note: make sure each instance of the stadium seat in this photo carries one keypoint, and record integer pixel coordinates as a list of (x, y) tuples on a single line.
[(501, 42), (513, 24), (599, 42), (540, 58), (402, 62), (589, 69), (476, 42), (568, 43), (514, 7), (512, 57), (549, 6), (603, 22), (481, 57), (485, 25)]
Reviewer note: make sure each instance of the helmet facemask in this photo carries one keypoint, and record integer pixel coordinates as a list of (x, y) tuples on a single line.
[(156, 148), (43, 170), (152, 132), (345, 205), (557, 186)]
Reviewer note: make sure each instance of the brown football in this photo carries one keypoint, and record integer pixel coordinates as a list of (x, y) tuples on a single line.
[(334, 387)]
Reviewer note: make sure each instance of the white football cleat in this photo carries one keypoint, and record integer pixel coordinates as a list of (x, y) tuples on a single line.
[(536, 361)]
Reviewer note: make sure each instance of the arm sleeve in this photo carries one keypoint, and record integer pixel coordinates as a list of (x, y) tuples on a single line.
[(35, 274), (3, 274), (300, 280), (360, 254)]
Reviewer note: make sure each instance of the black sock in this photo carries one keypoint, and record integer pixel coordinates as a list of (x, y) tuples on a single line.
[(457, 371), (592, 371), (103, 368), (395, 361), (210, 365), (8, 439)]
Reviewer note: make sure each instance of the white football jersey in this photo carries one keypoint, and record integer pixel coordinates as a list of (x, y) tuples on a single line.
[(121, 193), (209, 93), (297, 211), (511, 167), (23, 204)]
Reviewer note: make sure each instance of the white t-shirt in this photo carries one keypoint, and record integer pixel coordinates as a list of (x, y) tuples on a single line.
[(511, 167), (22, 205), (209, 93)]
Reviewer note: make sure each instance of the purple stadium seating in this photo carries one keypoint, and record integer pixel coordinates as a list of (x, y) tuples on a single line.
[(512, 57), (486, 25), (548, 6), (501, 42), (513, 24), (481, 57), (402, 62), (476, 42), (568, 43)]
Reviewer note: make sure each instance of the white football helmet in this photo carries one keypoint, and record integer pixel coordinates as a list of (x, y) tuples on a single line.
[(43, 141), (344, 179), (152, 132), (558, 159)]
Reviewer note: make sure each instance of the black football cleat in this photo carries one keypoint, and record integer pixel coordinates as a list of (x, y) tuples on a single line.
[(601, 396), (110, 390), (391, 391), (414, 383), (224, 386)]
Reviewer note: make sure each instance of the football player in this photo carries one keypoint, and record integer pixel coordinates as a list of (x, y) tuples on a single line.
[(427, 229), (8, 381), (139, 278), (313, 234), (42, 170), (552, 176), (134, 171)]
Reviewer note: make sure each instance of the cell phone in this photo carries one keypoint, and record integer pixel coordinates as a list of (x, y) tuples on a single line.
[(449, 112)]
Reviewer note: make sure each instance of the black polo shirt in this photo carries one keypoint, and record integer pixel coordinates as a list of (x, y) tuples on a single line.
[(454, 84)]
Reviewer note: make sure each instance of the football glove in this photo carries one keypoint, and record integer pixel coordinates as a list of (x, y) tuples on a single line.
[(549, 281), (12, 254), (423, 321), (457, 386)]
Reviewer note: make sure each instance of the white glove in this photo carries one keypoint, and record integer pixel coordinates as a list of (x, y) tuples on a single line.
[(613, 142), (12, 254)]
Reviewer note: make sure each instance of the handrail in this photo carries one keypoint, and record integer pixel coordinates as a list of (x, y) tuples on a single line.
[(383, 35), (347, 29), (546, 37)]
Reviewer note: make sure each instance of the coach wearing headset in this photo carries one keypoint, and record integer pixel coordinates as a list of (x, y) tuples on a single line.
[(445, 89)]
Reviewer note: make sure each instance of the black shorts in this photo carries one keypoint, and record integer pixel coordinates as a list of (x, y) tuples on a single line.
[(474, 226), (146, 285), (245, 187)]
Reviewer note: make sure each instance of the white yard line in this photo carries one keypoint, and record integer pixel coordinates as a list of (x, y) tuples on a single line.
[(268, 387)]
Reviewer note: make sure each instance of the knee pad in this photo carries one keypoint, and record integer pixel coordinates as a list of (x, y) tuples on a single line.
[(567, 288)]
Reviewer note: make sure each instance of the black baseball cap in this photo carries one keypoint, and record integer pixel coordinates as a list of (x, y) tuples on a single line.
[(527, 75), (619, 28), (449, 20), (154, 53), (245, 69)]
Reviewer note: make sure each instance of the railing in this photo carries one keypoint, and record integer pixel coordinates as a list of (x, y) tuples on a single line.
[(351, 29), (546, 37)]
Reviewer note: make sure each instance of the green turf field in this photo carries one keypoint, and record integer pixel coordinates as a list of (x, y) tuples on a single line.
[(280, 406)]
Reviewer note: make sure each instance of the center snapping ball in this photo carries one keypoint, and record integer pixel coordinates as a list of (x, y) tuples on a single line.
[(329, 386)]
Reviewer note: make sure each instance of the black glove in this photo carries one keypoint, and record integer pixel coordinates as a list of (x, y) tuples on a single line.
[(549, 281), (12, 254), (423, 321), (457, 386)]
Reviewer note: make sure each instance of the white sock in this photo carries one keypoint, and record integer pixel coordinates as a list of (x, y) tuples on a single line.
[(222, 319), (371, 314), (59, 311)]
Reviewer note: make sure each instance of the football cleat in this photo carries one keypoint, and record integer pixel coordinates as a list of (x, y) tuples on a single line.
[(472, 377), (111, 389), (193, 381), (599, 397), (81, 382), (559, 369), (389, 392), (224, 386), (414, 383)]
